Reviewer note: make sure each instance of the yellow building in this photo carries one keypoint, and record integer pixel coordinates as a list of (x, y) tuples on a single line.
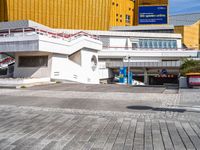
[(70, 14), (75, 14), (189, 26)]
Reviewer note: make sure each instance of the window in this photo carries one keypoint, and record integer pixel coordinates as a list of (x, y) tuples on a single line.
[(141, 43), (164, 44), (174, 44), (150, 44), (134, 45), (117, 4), (117, 20), (159, 44), (117, 15), (145, 44), (33, 61), (156, 43), (128, 18), (113, 3)]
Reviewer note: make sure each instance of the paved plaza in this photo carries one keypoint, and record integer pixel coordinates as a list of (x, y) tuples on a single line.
[(113, 117)]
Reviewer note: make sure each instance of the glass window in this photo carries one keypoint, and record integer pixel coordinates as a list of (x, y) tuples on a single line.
[(33, 61), (128, 18), (141, 43), (155, 44), (145, 44), (159, 44), (174, 44), (164, 44), (150, 44), (134, 45)]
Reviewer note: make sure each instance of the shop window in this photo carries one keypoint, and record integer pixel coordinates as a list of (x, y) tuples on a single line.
[(33, 61)]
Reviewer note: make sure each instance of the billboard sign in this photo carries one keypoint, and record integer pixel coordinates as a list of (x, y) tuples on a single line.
[(153, 15)]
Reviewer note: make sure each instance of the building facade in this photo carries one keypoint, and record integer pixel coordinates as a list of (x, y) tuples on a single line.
[(76, 14), (154, 58), (88, 56), (188, 25)]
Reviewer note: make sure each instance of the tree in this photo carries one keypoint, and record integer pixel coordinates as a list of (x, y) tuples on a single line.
[(190, 66)]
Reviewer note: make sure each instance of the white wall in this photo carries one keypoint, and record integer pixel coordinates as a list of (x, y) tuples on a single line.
[(65, 69), (120, 42), (179, 43)]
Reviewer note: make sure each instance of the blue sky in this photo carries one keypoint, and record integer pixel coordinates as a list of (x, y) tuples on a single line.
[(184, 6)]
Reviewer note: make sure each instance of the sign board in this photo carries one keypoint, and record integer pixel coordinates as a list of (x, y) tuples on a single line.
[(194, 80), (122, 75), (153, 15)]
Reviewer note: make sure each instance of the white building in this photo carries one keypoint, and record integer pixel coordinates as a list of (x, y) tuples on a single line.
[(78, 56), (40, 52), (149, 53)]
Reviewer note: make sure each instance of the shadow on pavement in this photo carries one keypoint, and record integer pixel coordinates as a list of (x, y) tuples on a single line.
[(138, 107)]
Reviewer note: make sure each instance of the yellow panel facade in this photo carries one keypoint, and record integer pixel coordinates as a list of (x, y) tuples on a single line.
[(122, 13), (191, 35), (69, 14), (75, 14)]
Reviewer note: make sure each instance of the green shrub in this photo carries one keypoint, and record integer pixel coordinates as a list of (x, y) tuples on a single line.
[(190, 66)]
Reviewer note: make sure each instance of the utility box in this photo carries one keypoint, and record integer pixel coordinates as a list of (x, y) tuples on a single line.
[(183, 82)]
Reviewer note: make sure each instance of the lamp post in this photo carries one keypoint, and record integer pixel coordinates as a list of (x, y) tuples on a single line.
[(128, 80)]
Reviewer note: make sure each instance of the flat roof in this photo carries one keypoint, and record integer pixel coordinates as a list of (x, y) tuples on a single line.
[(22, 24), (29, 24), (124, 34)]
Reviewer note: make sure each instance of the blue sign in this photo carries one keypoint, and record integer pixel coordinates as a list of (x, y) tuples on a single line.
[(153, 15), (122, 75), (164, 72)]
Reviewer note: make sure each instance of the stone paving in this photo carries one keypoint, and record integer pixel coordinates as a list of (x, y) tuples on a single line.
[(34, 119), (28, 129)]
